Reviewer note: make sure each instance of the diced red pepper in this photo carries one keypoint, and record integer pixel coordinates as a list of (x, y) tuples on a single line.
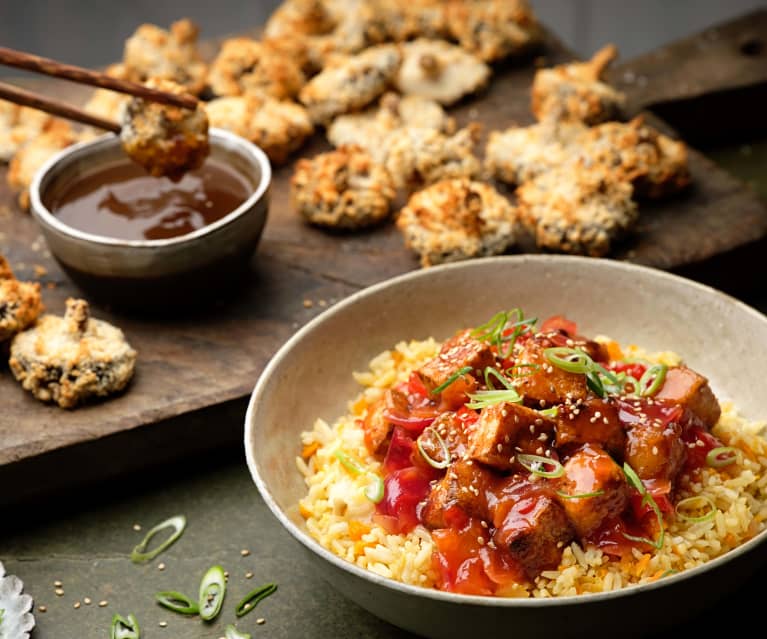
[(400, 451), (404, 490), (699, 443)]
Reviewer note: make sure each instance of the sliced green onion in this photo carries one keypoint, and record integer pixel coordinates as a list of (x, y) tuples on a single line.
[(348, 462), (698, 502), (212, 593), (445, 462), (484, 399), (250, 600), (493, 372), (652, 380), (537, 465), (550, 412), (140, 553), (492, 331), (510, 370), (374, 491), (492, 327), (722, 456), (601, 370), (232, 633), (459, 373), (565, 495), (594, 382), (569, 359), (177, 602), (647, 498), (123, 628)]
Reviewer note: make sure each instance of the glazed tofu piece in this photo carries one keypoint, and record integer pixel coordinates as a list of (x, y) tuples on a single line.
[(452, 432), (686, 387), (591, 470), (460, 350), (547, 384), (590, 421), (532, 526), (505, 429), (655, 450), (464, 485)]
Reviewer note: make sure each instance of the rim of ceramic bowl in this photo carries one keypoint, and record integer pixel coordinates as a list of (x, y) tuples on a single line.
[(313, 545), (45, 217)]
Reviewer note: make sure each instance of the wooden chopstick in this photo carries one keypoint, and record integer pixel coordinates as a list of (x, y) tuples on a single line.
[(27, 98), (30, 62)]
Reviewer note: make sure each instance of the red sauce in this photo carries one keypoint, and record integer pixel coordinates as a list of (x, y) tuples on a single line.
[(121, 200)]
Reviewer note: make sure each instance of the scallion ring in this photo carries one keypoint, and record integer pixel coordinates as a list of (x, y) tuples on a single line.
[(492, 327), (493, 372), (694, 504), (434, 435), (374, 491), (348, 462), (232, 633), (569, 359), (212, 593), (532, 368), (550, 412), (250, 600), (652, 380), (459, 373), (722, 456), (537, 465), (633, 479), (124, 628), (485, 399), (177, 602), (140, 553), (564, 495)]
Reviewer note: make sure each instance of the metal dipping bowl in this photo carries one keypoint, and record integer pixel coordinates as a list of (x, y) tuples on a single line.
[(147, 274), (311, 377)]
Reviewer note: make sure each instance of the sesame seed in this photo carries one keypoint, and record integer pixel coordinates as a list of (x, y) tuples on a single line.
[(700, 443), (480, 540), (654, 450), (308, 303), (542, 402), (260, 621), (548, 453), (161, 566), (76, 605), (483, 523), (137, 527), (59, 592), (499, 447), (58, 584), (505, 412), (598, 414), (532, 428), (248, 575), (539, 450), (163, 624), (226, 574), (244, 552), (87, 601), (103, 603), (42, 608), (542, 437), (511, 459)]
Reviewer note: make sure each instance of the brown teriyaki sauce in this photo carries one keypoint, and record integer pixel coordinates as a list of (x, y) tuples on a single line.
[(120, 200)]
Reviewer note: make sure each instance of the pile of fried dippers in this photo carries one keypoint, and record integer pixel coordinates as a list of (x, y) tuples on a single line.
[(377, 77)]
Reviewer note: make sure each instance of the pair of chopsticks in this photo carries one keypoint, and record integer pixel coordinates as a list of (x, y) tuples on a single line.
[(29, 62)]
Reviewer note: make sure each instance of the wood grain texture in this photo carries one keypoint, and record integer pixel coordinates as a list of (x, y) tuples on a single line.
[(215, 353)]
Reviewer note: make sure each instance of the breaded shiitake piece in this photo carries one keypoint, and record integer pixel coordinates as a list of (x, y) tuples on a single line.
[(416, 157), (575, 91), (166, 140), (278, 127), (19, 125), (493, 29), (369, 129), (249, 67), (359, 25), (69, 360), (440, 71), (299, 17), (519, 154), (343, 189), (153, 52), (655, 164), (409, 19), (351, 85), (109, 104), (456, 220), (36, 152), (20, 302), (579, 211)]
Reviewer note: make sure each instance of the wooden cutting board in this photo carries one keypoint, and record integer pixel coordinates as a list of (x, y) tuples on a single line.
[(194, 370)]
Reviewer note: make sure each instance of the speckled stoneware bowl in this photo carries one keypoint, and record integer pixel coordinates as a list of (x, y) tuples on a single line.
[(166, 272), (311, 377)]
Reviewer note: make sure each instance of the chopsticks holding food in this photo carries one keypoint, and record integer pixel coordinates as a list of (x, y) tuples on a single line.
[(46, 66)]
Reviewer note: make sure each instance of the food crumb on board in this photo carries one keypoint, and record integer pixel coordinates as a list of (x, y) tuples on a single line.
[(308, 303)]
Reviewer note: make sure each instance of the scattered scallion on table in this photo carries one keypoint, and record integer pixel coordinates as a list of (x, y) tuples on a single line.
[(232, 633), (250, 600), (124, 628), (140, 553), (212, 593), (177, 602)]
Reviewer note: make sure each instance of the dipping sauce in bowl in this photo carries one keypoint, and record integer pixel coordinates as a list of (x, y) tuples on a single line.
[(122, 200)]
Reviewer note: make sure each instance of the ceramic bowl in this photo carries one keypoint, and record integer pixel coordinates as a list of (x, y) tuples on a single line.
[(143, 273), (311, 377)]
